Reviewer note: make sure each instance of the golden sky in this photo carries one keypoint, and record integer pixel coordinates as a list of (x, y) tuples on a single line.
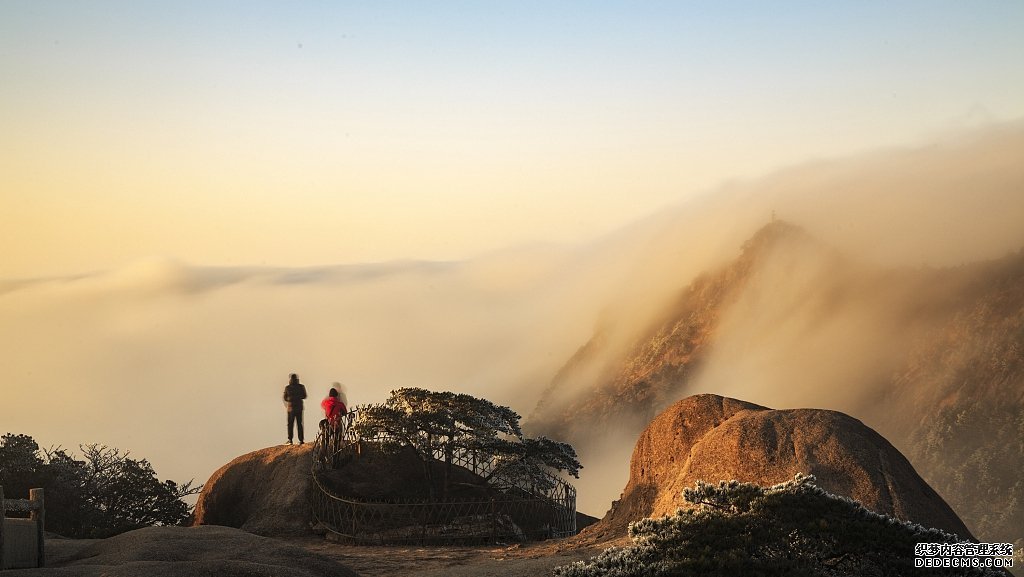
[(317, 133)]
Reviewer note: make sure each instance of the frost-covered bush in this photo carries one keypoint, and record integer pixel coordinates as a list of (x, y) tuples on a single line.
[(794, 528)]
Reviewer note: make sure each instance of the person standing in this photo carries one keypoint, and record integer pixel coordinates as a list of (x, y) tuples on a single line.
[(294, 393), (333, 407)]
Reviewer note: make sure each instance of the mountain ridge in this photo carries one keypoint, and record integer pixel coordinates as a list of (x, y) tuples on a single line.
[(932, 358), (677, 338)]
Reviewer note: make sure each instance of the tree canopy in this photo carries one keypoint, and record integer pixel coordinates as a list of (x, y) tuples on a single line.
[(105, 493), (439, 425)]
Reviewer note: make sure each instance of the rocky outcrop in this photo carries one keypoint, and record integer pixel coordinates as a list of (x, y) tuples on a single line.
[(713, 438), (265, 492)]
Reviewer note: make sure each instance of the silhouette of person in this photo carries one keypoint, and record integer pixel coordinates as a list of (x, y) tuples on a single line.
[(294, 393)]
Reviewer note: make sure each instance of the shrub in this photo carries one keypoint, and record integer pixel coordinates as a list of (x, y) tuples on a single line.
[(794, 528), (104, 494)]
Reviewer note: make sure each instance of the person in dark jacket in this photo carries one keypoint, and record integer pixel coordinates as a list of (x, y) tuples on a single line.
[(294, 393)]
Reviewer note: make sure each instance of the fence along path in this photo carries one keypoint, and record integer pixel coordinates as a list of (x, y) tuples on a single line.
[(21, 540), (515, 511)]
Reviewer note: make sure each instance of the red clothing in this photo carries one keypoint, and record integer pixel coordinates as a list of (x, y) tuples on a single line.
[(333, 408)]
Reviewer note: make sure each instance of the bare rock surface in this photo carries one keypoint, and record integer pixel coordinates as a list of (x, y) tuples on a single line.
[(186, 552), (535, 559), (713, 438), (265, 492)]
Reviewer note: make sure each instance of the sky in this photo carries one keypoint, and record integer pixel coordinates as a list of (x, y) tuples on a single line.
[(315, 133)]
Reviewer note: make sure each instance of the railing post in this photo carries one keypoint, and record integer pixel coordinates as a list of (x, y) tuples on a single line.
[(571, 506), (3, 517), (424, 518), (494, 522), (38, 515)]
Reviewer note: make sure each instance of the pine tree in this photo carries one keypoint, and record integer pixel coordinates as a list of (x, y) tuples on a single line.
[(439, 425)]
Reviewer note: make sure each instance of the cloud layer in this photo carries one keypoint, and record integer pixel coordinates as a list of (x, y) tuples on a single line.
[(185, 364)]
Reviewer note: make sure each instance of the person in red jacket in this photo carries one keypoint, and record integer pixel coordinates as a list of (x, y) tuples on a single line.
[(333, 407), (333, 426)]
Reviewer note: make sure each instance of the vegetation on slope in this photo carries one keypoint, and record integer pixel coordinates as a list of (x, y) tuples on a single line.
[(794, 528), (967, 438)]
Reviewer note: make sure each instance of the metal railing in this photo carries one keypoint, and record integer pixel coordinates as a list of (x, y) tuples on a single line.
[(514, 510), (332, 440)]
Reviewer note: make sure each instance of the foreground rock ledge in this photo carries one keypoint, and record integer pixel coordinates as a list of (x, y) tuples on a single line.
[(184, 552), (713, 438)]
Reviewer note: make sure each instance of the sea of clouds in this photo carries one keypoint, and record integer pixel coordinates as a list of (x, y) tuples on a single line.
[(184, 364)]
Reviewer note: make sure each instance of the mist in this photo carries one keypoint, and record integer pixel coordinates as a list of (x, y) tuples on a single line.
[(824, 321), (185, 364), (162, 356)]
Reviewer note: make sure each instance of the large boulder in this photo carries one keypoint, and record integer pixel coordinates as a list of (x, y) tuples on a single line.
[(266, 492), (713, 438)]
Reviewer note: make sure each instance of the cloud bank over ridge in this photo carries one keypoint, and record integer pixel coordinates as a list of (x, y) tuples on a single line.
[(161, 356)]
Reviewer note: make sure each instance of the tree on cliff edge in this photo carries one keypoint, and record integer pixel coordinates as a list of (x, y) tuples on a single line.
[(438, 425)]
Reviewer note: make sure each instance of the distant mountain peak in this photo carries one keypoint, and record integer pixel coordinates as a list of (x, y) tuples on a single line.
[(773, 232), (933, 358), (667, 352)]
